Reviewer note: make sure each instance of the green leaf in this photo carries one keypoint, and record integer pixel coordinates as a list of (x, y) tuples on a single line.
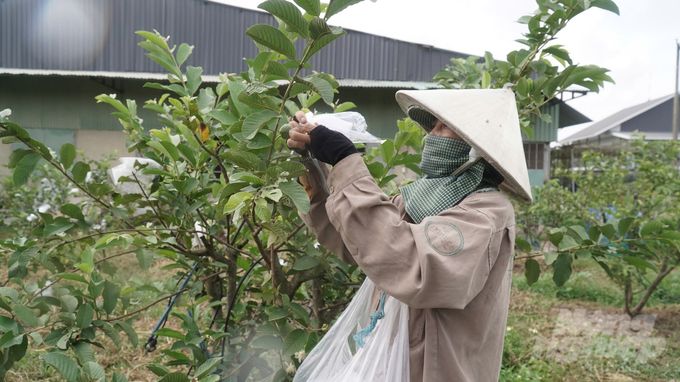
[(16, 156), (26, 315), (651, 226), (255, 121), (273, 39), (63, 364), (10, 339), (318, 28), (313, 7), (532, 271), (24, 168), (486, 80), (72, 210), (289, 13), (562, 269), (567, 242), (183, 52), (305, 262), (298, 311), (523, 244), (165, 61), (207, 367), (84, 352), (79, 171), (10, 292), (274, 68), (559, 53), (57, 227), (294, 342), (387, 150), (132, 335), (87, 257), (193, 78), (607, 5), (594, 233), (145, 258), (235, 201), (110, 295), (608, 231), (167, 332), (297, 194), (72, 277), (267, 342), (118, 377), (109, 330), (166, 148), (323, 41), (244, 159), (84, 316), (319, 86), (94, 370), (67, 154), (337, 6), (344, 107), (154, 38), (580, 231), (177, 376), (639, 263), (624, 225), (159, 370)]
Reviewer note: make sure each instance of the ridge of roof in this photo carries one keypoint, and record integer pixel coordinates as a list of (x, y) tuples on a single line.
[(615, 119)]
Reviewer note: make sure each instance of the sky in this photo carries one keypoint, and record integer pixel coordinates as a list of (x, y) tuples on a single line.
[(639, 46)]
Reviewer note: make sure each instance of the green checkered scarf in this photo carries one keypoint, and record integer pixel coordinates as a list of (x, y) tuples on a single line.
[(438, 190)]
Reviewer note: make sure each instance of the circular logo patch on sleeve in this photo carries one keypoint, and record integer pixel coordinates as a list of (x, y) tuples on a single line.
[(445, 238)]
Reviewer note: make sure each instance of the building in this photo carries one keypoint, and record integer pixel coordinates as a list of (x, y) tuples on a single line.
[(653, 119), (56, 56)]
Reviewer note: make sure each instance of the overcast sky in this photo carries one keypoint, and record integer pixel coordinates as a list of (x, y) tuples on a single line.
[(638, 46)]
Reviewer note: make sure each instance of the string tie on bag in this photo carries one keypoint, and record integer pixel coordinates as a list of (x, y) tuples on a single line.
[(375, 316)]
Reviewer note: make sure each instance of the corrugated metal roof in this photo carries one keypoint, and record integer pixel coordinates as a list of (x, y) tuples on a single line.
[(350, 83), (615, 120), (98, 35)]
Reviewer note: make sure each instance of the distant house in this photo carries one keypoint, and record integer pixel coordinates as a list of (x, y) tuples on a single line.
[(55, 57), (653, 119)]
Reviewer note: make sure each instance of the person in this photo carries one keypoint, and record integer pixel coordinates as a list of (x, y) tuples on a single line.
[(444, 245)]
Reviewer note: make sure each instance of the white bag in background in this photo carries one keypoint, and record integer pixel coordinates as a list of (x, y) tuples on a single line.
[(383, 358)]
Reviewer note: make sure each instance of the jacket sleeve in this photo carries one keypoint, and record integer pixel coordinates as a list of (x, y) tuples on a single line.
[(442, 262), (317, 219)]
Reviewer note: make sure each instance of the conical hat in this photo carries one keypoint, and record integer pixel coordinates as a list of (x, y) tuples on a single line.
[(486, 119)]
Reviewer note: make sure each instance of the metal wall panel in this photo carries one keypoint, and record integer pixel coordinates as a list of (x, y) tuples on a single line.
[(99, 35), (543, 131)]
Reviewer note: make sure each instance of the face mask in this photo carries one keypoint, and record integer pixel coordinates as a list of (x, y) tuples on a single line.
[(442, 156), (438, 191)]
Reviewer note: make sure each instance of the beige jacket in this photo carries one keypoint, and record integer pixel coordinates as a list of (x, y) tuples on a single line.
[(453, 270)]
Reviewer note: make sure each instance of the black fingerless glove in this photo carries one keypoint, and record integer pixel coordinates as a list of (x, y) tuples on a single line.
[(329, 146)]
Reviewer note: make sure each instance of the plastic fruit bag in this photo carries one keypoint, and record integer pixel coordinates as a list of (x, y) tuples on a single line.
[(383, 358), (350, 123)]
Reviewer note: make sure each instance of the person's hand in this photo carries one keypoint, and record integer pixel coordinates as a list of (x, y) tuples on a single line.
[(299, 134), (326, 145)]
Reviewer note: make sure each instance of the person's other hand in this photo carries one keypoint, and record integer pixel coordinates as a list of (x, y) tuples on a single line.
[(299, 134)]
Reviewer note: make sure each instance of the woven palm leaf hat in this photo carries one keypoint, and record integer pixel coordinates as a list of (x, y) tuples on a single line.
[(486, 119)]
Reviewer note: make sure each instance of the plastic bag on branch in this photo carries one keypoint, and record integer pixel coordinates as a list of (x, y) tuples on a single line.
[(384, 357), (350, 123)]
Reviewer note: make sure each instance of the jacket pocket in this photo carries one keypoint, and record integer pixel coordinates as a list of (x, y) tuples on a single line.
[(416, 327)]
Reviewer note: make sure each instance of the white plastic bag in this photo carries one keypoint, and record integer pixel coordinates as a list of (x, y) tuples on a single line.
[(350, 123), (127, 168), (383, 358)]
